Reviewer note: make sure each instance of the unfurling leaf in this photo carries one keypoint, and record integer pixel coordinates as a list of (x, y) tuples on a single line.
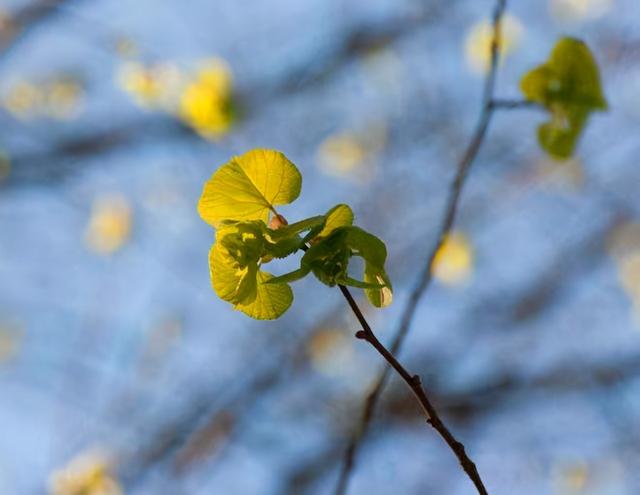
[(328, 260), (568, 86), (236, 276), (338, 216), (249, 186)]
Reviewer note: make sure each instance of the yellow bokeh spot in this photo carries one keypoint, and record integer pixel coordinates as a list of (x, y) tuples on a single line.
[(10, 340), (152, 86), (206, 103), (59, 98), (110, 224), (329, 351), (23, 100), (629, 272), (480, 38), (567, 172), (340, 154), (63, 98), (572, 478), (203, 100), (624, 247), (88, 474), (453, 262), (351, 154), (579, 10)]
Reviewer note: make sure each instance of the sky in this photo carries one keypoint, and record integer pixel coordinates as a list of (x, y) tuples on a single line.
[(119, 364)]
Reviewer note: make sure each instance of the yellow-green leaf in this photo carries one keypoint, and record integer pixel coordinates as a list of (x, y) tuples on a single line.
[(568, 86), (249, 186), (236, 277), (232, 282), (271, 300)]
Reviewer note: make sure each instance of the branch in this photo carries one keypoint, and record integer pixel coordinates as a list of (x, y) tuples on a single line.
[(415, 384), (425, 278), (511, 104), (25, 19)]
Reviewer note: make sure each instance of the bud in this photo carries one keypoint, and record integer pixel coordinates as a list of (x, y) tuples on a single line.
[(277, 222)]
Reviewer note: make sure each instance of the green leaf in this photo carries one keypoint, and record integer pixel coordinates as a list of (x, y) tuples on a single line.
[(281, 248), (374, 253), (338, 216), (235, 275), (296, 228), (249, 186), (328, 259), (568, 86), (291, 276), (244, 241), (284, 241)]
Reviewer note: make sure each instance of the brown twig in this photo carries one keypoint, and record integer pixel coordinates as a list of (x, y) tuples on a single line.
[(415, 384), (425, 277)]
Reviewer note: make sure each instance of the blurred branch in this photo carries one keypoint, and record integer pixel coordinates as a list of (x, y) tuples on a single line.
[(174, 441), (562, 378), (362, 39), (59, 160), (171, 444), (511, 104), (425, 278), (25, 19)]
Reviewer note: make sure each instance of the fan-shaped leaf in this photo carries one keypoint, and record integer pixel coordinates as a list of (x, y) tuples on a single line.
[(249, 186)]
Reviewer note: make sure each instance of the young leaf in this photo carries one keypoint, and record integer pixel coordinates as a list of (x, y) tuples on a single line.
[(298, 227), (235, 274), (231, 281), (249, 186), (291, 276), (568, 86), (338, 216), (374, 253), (328, 259), (284, 241), (271, 300)]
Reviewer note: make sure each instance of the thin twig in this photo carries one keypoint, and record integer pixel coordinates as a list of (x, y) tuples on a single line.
[(415, 384), (425, 277), (511, 104)]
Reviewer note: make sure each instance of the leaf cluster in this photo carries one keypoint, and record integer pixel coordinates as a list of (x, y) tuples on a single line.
[(568, 86), (240, 198)]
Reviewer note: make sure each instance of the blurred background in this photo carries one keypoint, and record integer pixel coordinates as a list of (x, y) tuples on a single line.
[(122, 372)]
